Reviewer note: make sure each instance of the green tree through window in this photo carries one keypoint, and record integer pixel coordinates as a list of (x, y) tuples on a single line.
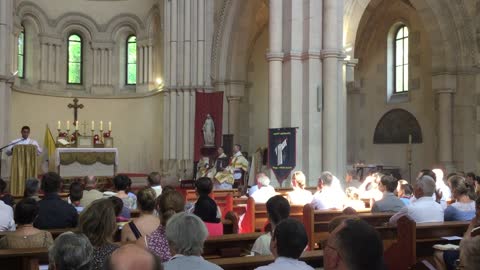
[(74, 66), (401, 60), (21, 54), (131, 63)]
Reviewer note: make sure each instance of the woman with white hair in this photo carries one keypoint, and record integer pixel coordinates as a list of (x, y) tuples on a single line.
[(264, 191), (71, 251), (186, 234), (299, 195)]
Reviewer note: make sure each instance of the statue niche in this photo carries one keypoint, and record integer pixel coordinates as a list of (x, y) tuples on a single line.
[(395, 126)]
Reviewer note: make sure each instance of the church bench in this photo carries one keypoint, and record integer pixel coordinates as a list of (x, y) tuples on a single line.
[(23, 258), (229, 245), (312, 258), (191, 195), (256, 215), (316, 221), (62, 195)]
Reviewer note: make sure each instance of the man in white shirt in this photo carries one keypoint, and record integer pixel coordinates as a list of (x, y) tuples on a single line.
[(424, 209), (288, 243), (6, 217), (23, 140), (327, 197), (264, 191), (299, 195)]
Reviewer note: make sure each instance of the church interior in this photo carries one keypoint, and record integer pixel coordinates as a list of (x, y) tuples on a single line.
[(389, 85)]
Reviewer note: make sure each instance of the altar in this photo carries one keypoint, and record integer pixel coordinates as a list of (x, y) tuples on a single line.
[(79, 162)]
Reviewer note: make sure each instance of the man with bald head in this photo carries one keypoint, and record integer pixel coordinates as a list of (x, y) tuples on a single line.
[(424, 209), (133, 257)]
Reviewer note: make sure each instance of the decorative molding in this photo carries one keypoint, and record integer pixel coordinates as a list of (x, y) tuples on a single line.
[(217, 37), (84, 94)]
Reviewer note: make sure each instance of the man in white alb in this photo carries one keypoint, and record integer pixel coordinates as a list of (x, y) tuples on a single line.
[(24, 140), (279, 152)]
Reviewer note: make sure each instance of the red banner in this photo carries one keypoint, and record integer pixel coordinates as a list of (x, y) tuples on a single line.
[(207, 103)]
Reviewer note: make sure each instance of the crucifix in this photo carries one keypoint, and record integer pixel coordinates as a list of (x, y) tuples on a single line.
[(75, 107)]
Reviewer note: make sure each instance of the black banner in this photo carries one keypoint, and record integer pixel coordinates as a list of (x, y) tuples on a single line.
[(282, 154)]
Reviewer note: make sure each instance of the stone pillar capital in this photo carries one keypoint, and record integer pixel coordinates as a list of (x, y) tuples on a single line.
[(332, 53), (444, 91), (234, 98), (275, 56), (351, 63)]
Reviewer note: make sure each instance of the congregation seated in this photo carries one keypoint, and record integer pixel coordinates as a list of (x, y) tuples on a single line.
[(352, 180), (90, 193), (369, 189), (7, 222), (122, 213), (463, 209), (5, 197), (132, 257), (353, 199), (346, 246), (288, 243), (389, 202), (299, 195), (71, 251), (446, 259), (97, 222), (404, 191), (278, 209), (53, 211), (147, 222), (32, 186), (154, 180), (327, 197), (186, 234), (443, 188), (206, 208), (424, 208), (168, 204), (122, 183), (75, 195), (26, 236), (264, 190)]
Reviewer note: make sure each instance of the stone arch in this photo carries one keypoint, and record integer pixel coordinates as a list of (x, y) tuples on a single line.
[(396, 126), (78, 21), (31, 11), (125, 21)]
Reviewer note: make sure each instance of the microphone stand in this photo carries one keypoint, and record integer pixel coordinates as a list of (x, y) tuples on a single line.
[(1, 149)]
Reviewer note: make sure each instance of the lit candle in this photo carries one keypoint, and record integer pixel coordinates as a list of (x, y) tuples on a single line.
[(409, 138), (68, 125), (109, 126), (101, 125), (59, 126), (93, 125), (76, 125)]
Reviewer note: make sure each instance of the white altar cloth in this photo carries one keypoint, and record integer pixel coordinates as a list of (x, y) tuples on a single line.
[(76, 169)]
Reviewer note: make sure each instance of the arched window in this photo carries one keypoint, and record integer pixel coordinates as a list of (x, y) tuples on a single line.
[(131, 61), (21, 54), (401, 60), (74, 58)]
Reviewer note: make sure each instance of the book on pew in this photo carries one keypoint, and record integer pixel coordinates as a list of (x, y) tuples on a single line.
[(446, 247)]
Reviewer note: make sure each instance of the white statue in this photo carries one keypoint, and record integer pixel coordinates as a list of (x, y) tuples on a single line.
[(209, 131)]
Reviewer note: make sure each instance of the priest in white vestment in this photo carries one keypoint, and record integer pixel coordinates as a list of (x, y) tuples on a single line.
[(24, 140)]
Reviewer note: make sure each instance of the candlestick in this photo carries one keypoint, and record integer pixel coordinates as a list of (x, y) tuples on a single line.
[(109, 126), (101, 132), (409, 138), (59, 126), (93, 125), (68, 125), (76, 125), (101, 125)]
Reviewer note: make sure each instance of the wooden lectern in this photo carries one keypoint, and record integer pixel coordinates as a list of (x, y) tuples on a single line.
[(24, 166)]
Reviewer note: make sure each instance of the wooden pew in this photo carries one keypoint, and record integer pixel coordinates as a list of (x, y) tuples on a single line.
[(63, 195), (24, 258), (229, 245), (316, 222), (256, 215), (312, 258)]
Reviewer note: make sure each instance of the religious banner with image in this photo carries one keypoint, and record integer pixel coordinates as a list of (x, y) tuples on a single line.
[(282, 155), (208, 121)]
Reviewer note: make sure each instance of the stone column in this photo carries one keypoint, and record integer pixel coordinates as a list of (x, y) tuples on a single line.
[(445, 128), (233, 115), (173, 125), (333, 87), (6, 36), (102, 84), (275, 58)]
